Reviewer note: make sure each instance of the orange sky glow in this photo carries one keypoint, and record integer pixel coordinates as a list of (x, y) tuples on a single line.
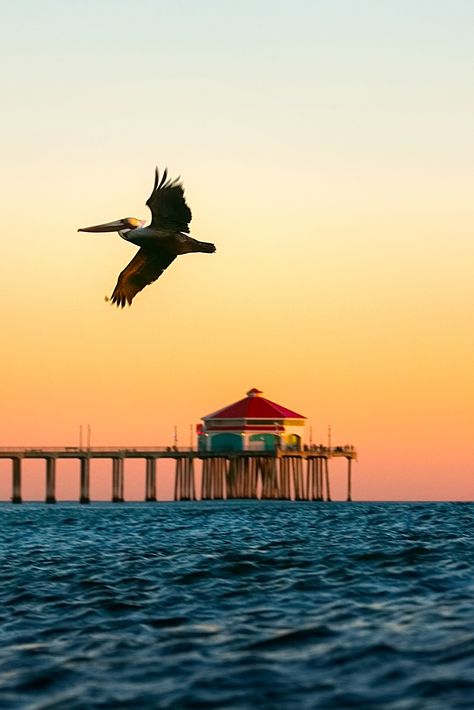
[(329, 160)]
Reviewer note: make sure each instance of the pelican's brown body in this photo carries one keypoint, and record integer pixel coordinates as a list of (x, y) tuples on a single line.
[(160, 243)]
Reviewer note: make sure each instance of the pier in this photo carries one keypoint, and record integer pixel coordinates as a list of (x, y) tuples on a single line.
[(284, 474)]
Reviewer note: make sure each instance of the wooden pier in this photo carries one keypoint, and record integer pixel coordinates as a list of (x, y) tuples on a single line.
[(280, 475)]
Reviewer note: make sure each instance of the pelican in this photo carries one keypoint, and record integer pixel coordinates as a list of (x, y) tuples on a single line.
[(160, 242)]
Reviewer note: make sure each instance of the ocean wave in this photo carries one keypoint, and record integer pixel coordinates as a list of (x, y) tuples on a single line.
[(237, 605)]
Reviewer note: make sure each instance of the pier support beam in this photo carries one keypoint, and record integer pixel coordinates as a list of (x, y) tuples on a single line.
[(117, 480), (214, 472), (267, 467), (317, 477), (298, 482), (311, 478), (232, 477), (285, 485), (252, 480), (16, 480), (219, 486), (50, 480), (205, 480), (150, 483), (184, 479), (326, 475), (349, 477), (240, 478), (320, 480), (85, 480)]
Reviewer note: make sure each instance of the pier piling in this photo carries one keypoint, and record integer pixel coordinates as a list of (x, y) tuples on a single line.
[(214, 472), (50, 480), (85, 480), (117, 480), (150, 483), (184, 487), (326, 475), (320, 479), (16, 479), (349, 481)]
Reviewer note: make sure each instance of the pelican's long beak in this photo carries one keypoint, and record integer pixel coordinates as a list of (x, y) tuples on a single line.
[(115, 226)]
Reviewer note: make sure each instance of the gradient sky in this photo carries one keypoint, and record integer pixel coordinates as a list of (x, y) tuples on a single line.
[(325, 147)]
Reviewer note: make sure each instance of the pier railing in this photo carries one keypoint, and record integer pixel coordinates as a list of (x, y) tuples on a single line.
[(39, 451)]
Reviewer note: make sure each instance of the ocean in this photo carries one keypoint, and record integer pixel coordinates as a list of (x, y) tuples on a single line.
[(248, 604)]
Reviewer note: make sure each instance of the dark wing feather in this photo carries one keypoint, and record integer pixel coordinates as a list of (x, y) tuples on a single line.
[(167, 204), (145, 267)]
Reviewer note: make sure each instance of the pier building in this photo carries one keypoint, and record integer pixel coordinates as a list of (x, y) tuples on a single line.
[(252, 448), (254, 423)]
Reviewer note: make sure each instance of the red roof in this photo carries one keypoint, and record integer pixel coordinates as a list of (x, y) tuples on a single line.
[(253, 406)]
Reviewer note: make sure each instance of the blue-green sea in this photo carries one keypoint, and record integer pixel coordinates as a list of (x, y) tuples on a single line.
[(252, 604)]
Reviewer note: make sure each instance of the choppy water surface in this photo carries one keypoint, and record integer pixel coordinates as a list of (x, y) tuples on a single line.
[(237, 605)]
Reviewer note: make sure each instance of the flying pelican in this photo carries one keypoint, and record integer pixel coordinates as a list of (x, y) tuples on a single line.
[(160, 243)]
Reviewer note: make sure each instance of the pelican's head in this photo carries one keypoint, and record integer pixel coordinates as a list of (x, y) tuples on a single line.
[(118, 225)]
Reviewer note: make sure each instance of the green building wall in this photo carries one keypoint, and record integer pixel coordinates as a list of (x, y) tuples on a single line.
[(226, 442), (269, 441)]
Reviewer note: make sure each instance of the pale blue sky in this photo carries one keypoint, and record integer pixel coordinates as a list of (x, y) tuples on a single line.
[(328, 79)]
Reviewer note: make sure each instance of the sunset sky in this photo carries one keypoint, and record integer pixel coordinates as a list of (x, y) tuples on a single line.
[(326, 149)]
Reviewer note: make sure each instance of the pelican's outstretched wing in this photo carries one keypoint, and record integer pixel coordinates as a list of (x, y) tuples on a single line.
[(167, 204), (146, 266)]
